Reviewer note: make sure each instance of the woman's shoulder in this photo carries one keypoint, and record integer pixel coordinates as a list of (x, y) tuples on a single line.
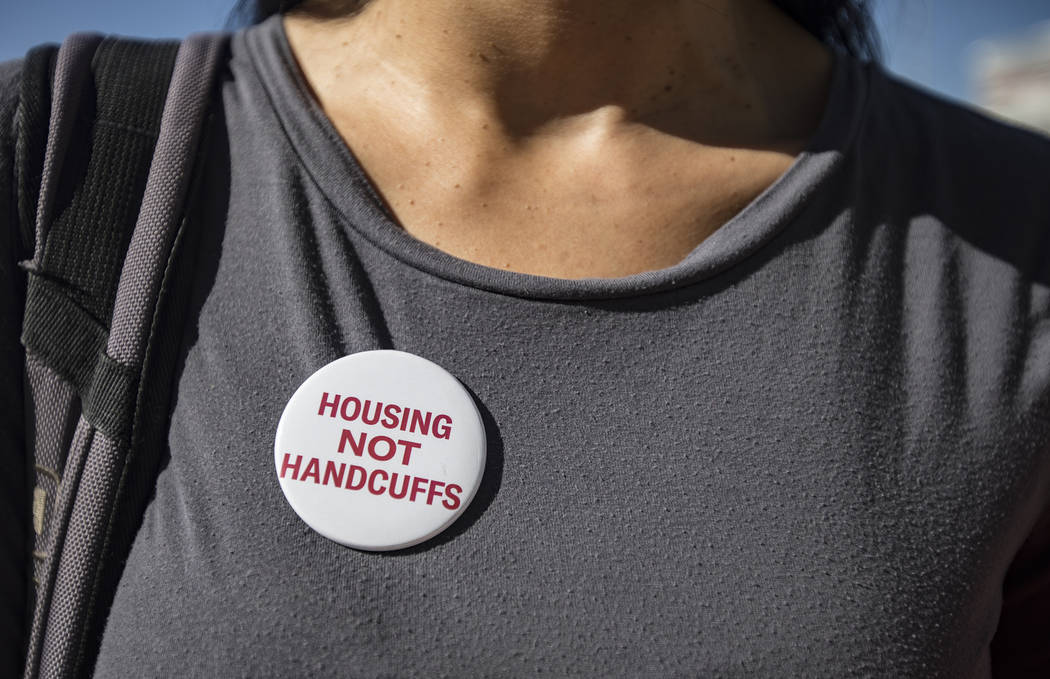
[(950, 171), (952, 137)]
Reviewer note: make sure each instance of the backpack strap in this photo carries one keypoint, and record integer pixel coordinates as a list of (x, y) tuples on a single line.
[(107, 227), (111, 92), (61, 167)]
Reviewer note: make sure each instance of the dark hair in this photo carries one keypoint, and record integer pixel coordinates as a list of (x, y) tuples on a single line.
[(844, 25)]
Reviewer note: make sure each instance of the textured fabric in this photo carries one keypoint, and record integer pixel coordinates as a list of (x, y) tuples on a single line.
[(49, 431), (812, 448), (107, 108), (166, 188), (60, 332), (58, 529), (74, 590), (73, 65), (34, 110), (92, 227)]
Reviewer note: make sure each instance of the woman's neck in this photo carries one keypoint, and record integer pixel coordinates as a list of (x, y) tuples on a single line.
[(566, 138), (734, 72)]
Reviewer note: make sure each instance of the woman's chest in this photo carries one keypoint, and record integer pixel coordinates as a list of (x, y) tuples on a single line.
[(718, 487)]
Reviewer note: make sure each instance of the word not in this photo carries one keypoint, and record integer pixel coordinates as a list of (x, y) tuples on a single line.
[(381, 448), (390, 415), (377, 482)]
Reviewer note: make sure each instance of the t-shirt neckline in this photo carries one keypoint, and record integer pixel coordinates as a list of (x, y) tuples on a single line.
[(338, 175)]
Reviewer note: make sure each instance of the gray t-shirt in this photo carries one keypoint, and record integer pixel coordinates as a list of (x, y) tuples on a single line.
[(814, 447)]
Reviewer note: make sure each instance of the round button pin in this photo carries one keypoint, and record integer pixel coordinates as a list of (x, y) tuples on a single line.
[(380, 450)]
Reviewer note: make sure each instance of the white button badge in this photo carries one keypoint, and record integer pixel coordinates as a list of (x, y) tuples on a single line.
[(380, 450)]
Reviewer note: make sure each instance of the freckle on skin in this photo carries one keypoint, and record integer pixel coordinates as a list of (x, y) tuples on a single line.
[(411, 202)]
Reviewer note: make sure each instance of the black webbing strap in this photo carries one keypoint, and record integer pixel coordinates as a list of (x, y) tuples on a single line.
[(69, 298), (73, 344)]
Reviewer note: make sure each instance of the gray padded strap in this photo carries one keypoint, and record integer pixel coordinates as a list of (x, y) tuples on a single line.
[(72, 70), (74, 581), (166, 188), (67, 490), (53, 410)]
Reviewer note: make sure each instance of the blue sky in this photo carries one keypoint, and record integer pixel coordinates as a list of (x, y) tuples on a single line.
[(927, 41), (931, 41)]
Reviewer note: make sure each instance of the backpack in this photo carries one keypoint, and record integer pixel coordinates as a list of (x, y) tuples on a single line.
[(108, 133)]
